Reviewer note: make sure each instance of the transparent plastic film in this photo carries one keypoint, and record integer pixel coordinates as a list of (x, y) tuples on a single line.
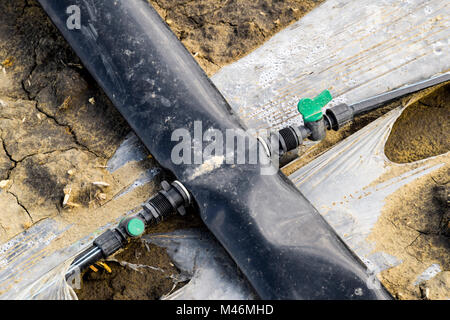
[(212, 273)]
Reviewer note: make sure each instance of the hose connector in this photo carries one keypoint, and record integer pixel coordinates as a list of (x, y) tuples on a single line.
[(173, 198), (338, 116)]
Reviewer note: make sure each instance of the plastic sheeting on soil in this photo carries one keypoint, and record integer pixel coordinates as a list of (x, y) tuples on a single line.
[(392, 43), (356, 49), (350, 183)]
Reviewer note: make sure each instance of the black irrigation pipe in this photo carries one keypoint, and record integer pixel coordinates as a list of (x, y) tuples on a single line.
[(277, 238)]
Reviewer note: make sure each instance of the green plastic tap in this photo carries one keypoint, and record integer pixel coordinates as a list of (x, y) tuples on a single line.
[(311, 109)]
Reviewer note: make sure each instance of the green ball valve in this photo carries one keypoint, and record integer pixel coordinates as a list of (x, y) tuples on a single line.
[(135, 227), (311, 109)]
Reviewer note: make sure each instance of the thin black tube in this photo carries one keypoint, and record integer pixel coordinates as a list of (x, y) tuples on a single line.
[(376, 101)]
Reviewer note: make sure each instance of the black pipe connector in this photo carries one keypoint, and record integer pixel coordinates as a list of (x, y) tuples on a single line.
[(173, 198), (338, 115), (334, 118)]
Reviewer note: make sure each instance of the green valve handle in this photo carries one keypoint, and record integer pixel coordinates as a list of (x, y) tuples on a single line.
[(311, 109), (135, 227)]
